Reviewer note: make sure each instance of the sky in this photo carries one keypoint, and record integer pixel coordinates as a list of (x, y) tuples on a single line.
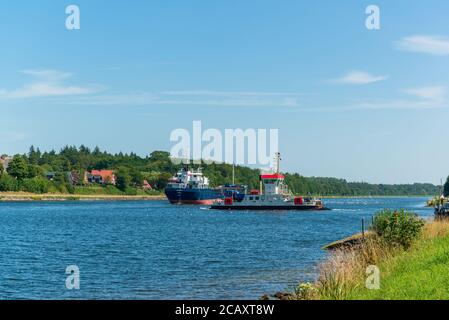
[(349, 102)]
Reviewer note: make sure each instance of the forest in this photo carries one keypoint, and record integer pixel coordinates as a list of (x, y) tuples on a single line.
[(29, 172)]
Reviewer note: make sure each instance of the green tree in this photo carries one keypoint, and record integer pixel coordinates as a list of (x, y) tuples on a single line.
[(18, 167), (34, 171), (62, 182), (161, 181), (123, 178), (36, 185), (2, 170), (34, 155), (8, 183), (66, 166), (136, 177), (446, 188)]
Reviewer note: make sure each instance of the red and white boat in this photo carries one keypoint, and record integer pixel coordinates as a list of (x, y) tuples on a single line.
[(273, 195)]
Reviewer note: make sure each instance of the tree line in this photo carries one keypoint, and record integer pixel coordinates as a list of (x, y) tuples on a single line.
[(27, 172)]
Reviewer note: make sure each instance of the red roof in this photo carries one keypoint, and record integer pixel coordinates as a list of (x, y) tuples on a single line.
[(103, 173), (146, 185), (272, 176)]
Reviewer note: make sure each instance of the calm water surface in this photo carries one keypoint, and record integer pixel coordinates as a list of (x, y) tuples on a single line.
[(153, 250)]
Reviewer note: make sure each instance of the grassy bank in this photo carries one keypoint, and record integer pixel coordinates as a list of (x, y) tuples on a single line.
[(421, 273), (416, 270), (25, 196)]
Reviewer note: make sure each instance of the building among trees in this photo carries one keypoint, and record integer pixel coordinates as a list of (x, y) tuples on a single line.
[(100, 176)]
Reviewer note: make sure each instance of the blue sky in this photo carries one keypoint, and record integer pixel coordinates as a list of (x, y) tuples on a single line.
[(348, 102)]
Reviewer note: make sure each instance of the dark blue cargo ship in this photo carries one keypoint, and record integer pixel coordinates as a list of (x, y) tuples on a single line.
[(191, 187), (192, 196)]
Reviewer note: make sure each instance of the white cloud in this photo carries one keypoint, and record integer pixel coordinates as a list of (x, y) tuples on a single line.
[(377, 105), (194, 98), (229, 93), (421, 98), (434, 45), (359, 78), (400, 104), (47, 83), (48, 75), (12, 136), (435, 93), (47, 90), (138, 98)]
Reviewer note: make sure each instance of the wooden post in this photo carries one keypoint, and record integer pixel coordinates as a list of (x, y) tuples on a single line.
[(363, 227)]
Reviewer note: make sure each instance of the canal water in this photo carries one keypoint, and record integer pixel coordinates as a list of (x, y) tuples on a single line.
[(154, 250)]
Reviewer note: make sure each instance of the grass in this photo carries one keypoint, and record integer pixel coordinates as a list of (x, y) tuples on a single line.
[(419, 272)]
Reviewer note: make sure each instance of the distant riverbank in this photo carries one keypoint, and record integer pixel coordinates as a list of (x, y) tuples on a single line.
[(377, 196), (25, 196)]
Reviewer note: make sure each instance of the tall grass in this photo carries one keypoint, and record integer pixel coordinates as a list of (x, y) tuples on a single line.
[(344, 270), (436, 229), (343, 273)]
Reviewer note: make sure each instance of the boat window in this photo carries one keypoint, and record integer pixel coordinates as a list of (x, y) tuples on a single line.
[(250, 198), (257, 198)]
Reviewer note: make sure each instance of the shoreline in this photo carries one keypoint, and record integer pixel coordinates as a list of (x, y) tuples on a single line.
[(376, 197), (343, 272), (54, 197), (26, 197)]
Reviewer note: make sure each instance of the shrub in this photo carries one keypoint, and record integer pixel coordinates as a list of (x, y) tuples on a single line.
[(397, 227), (130, 191), (306, 291), (8, 183), (62, 183), (36, 185), (123, 178), (112, 190)]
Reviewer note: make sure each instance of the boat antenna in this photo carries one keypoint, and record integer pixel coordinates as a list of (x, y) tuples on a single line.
[(233, 173)]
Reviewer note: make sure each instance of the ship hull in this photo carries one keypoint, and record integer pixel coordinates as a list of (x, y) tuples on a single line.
[(192, 196), (268, 207)]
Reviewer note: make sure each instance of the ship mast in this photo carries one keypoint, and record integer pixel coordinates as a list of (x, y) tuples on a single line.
[(277, 157)]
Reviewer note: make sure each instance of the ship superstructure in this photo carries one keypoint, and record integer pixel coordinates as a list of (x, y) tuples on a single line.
[(191, 187), (273, 194)]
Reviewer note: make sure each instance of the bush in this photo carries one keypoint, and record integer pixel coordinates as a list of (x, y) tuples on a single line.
[(36, 185), (8, 183), (123, 178), (397, 227), (130, 191), (306, 291)]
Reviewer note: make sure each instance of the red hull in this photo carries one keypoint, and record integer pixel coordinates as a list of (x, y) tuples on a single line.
[(205, 202)]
